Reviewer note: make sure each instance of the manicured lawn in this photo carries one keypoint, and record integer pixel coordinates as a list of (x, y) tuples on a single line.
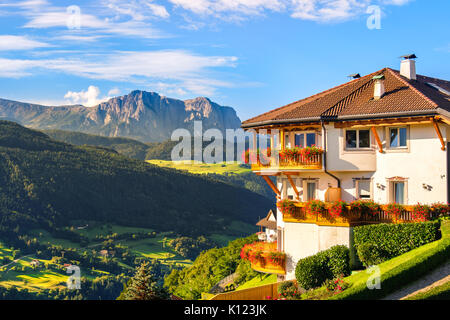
[(202, 168), (261, 280), (441, 292), (400, 270)]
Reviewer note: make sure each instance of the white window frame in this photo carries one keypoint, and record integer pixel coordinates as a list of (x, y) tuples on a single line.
[(357, 181), (388, 139), (390, 193), (357, 148), (293, 133)]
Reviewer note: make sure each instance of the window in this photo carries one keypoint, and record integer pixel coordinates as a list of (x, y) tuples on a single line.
[(311, 190), (363, 189), (399, 192), (301, 137), (287, 143), (357, 139), (397, 137)]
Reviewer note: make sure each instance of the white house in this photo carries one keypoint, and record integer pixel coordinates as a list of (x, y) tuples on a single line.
[(384, 137)]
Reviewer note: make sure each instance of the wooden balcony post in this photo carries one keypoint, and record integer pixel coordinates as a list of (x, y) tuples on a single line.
[(438, 132), (377, 139)]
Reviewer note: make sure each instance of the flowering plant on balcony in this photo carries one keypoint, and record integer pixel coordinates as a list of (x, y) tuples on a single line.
[(286, 206), (309, 152), (263, 253), (277, 258), (421, 212), (394, 209), (440, 209), (315, 207), (368, 207), (337, 208)]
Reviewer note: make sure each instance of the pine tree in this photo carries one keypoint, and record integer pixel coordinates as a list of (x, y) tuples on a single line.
[(143, 286)]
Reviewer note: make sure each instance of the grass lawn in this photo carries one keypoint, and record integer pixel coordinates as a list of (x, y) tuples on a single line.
[(441, 292), (103, 230), (400, 270), (202, 168), (259, 280), (46, 238)]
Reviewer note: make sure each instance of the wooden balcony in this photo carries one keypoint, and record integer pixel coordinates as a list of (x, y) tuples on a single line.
[(350, 217), (298, 163), (264, 257)]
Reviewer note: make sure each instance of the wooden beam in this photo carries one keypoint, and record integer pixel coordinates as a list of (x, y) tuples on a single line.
[(293, 187), (282, 139), (438, 132), (377, 139), (382, 122), (272, 185)]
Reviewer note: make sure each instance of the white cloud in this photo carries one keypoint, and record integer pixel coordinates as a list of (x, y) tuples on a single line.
[(248, 7), (114, 92), (327, 10), (10, 42), (88, 98), (187, 70), (315, 10)]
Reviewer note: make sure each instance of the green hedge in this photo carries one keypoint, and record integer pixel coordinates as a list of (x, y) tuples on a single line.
[(381, 242), (401, 270), (313, 271)]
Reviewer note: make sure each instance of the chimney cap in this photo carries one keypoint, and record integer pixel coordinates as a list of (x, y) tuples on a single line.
[(354, 75), (409, 56), (378, 77)]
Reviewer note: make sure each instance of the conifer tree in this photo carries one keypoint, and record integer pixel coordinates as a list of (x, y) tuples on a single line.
[(143, 286)]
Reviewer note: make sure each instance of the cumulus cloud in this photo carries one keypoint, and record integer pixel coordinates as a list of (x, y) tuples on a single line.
[(88, 98)]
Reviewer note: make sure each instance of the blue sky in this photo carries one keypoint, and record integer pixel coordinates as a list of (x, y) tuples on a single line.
[(253, 55)]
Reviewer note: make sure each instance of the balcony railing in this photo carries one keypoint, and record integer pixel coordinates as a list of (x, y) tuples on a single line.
[(350, 217), (264, 257), (313, 162)]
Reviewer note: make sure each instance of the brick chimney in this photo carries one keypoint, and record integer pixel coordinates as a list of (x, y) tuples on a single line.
[(408, 66)]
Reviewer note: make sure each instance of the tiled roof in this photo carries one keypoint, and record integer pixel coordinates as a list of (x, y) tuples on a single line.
[(355, 99)]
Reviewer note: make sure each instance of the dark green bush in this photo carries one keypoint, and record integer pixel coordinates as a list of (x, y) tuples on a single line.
[(313, 271), (391, 240), (339, 260), (371, 254)]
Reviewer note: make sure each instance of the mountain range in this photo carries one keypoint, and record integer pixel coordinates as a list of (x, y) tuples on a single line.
[(141, 115)]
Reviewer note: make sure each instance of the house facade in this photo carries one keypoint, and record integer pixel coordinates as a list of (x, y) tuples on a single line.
[(380, 137)]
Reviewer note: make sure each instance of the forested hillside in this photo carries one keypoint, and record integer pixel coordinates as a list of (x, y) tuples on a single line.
[(160, 151), (46, 183)]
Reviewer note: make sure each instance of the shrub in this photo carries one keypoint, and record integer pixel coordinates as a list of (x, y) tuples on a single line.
[(339, 260), (288, 290), (336, 285), (392, 240), (371, 254), (313, 271)]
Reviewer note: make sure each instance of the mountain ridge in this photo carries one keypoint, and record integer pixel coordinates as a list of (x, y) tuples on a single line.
[(141, 115)]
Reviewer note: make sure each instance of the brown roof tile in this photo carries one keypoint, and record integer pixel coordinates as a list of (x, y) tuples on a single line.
[(355, 98)]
